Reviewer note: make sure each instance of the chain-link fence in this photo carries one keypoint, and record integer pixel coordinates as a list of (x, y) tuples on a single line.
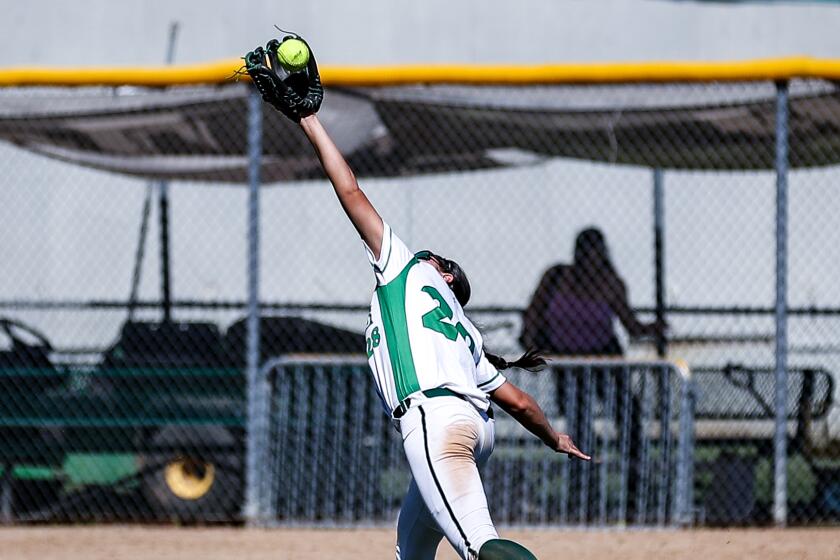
[(633, 221), (333, 458)]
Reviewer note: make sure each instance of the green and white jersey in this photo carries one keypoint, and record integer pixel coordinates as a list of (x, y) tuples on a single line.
[(418, 337)]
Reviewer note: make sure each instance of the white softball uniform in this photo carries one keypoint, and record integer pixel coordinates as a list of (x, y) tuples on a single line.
[(419, 339), (446, 440)]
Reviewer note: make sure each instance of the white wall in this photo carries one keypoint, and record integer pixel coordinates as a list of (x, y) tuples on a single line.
[(95, 32)]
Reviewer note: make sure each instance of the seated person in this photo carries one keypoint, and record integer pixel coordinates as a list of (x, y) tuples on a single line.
[(573, 308), (572, 313)]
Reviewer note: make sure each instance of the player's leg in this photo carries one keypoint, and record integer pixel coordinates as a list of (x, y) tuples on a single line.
[(418, 534), (442, 438), (501, 549)]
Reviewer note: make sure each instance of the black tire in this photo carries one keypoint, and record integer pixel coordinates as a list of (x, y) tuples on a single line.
[(34, 496), (191, 488)]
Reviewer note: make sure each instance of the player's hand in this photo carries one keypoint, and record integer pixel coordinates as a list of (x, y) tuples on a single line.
[(565, 444)]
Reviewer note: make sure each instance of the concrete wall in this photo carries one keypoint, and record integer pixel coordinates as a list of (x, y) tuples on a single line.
[(93, 32)]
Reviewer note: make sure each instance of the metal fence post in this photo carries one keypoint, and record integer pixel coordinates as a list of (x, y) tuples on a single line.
[(624, 445), (643, 469), (256, 396), (685, 455), (664, 444), (659, 255), (780, 444)]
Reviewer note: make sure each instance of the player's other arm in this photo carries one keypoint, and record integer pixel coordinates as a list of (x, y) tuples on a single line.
[(527, 412), (356, 205)]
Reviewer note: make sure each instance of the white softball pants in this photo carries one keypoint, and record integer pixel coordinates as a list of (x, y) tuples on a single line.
[(445, 439)]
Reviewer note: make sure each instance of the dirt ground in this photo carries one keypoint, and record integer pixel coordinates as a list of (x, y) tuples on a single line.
[(153, 543)]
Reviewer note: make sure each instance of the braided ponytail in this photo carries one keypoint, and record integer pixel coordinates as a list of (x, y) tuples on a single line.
[(530, 360)]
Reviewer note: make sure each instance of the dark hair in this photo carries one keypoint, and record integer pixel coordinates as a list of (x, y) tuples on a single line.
[(530, 360), (591, 249), (460, 284)]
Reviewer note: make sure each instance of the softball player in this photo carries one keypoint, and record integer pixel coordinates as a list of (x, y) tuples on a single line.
[(435, 380)]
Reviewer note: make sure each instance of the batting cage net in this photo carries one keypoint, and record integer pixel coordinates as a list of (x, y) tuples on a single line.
[(673, 247)]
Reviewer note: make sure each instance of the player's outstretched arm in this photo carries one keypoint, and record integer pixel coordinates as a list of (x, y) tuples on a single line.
[(356, 205), (527, 412)]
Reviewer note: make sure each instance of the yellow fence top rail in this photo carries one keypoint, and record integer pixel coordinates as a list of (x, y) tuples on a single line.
[(478, 74)]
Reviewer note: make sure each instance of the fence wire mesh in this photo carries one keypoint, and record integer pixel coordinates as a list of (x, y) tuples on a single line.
[(334, 458), (124, 285)]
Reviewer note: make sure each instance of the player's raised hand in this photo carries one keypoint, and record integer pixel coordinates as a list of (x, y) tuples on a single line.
[(566, 445)]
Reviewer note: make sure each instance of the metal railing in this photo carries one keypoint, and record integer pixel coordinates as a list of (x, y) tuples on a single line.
[(333, 458)]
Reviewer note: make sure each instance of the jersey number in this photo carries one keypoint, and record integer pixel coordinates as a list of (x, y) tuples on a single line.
[(373, 341), (434, 320)]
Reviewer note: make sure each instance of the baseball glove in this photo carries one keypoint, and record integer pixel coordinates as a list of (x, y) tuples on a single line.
[(296, 94)]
